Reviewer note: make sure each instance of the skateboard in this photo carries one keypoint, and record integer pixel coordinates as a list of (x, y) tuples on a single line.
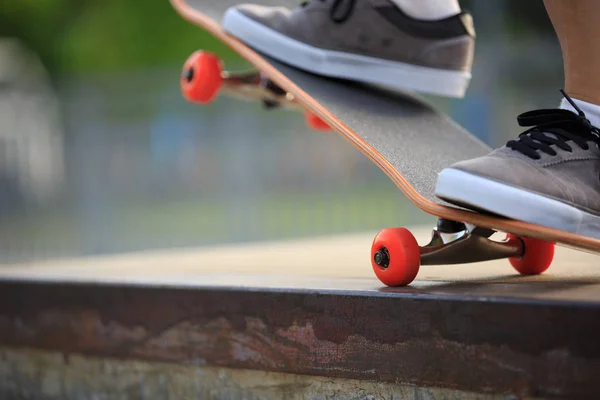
[(407, 138)]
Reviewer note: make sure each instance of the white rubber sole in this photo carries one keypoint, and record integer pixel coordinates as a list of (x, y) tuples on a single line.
[(511, 202), (336, 64)]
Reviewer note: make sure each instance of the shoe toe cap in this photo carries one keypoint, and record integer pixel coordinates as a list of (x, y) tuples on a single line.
[(500, 166), (511, 170), (263, 14)]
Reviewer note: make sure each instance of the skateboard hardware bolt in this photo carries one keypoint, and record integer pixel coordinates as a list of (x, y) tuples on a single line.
[(189, 74), (382, 258)]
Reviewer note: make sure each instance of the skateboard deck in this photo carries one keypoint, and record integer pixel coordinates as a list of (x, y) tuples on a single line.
[(411, 142)]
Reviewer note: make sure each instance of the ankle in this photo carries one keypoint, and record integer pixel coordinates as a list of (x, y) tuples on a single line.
[(591, 110)]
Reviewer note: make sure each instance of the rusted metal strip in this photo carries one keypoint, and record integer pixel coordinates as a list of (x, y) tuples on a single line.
[(477, 344)]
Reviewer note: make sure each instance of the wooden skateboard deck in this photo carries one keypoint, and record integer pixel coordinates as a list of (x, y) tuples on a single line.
[(411, 143)]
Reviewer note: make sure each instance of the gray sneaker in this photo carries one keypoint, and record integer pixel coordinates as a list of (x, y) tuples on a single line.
[(549, 175), (370, 41)]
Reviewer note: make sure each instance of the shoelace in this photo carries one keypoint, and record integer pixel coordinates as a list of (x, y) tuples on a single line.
[(554, 127), (340, 9)]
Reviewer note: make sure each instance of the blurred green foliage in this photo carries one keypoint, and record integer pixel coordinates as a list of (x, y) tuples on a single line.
[(83, 36)]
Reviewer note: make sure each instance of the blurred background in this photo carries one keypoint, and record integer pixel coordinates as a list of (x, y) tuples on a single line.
[(100, 153)]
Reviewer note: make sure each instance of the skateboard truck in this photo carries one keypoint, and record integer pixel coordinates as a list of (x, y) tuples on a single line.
[(203, 78), (458, 243), (396, 256), (273, 96)]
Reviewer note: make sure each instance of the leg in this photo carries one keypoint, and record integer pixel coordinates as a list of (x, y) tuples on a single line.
[(578, 31)]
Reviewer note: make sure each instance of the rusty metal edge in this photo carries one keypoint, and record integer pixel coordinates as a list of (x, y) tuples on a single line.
[(547, 349)]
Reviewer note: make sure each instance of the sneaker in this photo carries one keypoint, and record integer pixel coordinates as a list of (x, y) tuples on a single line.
[(549, 175), (369, 41)]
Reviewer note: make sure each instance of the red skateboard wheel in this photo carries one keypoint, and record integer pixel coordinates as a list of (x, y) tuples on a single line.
[(201, 78), (537, 257), (395, 257), (315, 122)]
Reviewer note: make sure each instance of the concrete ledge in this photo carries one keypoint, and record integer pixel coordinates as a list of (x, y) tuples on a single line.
[(489, 332), (32, 374)]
